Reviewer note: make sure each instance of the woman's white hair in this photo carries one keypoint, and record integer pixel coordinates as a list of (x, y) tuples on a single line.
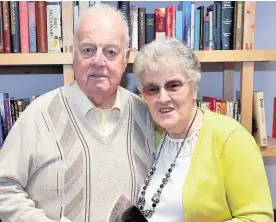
[(104, 9), (169, 53)]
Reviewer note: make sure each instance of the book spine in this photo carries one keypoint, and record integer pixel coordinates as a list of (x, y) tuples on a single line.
[(2, 50), (6, 26), (211, 43), (259, 112), (53, 26), (192, 26), (206, 32), (235, 110), (218, 24), (134, 28), (179, 26), (160, 23), (76, 14), (1, 134), (214, 26), (197, 30), (169, 24), (202, 31), (12, 110), (187, 23), (8, 114), (227, 28), (142, 27), (41, 26), (24, 26), (83, 6), (174, 20), (3, 96), (239, 25), (124, 7), (150, 28), (15, 27), (32, 26)]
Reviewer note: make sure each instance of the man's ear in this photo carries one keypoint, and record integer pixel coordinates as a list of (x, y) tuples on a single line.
[(127, 55)]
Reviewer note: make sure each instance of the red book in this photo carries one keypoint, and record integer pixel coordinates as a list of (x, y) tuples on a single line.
[(212, 101), (24, 26), (6, 25), (160, 23), (1, 30), (169, 22), (274, 120), (41, 26)]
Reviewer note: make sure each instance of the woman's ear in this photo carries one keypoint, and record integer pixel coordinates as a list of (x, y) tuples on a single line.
[(195, 92)]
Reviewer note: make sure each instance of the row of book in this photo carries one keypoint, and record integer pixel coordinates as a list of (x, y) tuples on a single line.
[(36, 26), (30, 27), (232, 109), (10, 110), (216, 27)]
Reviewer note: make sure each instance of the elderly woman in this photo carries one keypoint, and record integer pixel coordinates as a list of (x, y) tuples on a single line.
[(208, 168)]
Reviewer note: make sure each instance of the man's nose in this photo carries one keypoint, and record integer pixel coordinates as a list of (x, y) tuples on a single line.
[(99, 59), (164, 96)]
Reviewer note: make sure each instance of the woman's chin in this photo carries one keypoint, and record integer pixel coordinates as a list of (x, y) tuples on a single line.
[(166, 125)]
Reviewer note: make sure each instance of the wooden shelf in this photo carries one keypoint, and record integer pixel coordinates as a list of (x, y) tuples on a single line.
[(270, 150), (230, 56), (14, 59)]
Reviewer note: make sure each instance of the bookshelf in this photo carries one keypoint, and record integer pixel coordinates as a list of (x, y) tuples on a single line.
[(247, 58), (14, 59)]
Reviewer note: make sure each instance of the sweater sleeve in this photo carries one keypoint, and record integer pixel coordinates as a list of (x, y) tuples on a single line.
[(246, 184), (17, 165)]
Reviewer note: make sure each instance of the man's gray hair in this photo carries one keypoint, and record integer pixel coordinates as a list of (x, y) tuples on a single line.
[(105, 9), (169, 53)]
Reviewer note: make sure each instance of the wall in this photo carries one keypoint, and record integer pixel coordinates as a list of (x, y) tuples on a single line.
[(264, 77)]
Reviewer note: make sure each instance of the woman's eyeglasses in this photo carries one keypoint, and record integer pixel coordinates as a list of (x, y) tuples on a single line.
[(171, 86)]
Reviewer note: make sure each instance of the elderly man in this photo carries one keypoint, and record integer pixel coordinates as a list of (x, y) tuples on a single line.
[(77, 148)]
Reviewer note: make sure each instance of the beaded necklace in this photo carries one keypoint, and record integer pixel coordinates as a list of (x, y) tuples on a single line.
[(156, 197)]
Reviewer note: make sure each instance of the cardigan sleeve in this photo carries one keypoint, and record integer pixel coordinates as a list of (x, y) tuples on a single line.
[(17, 165), (245, 180)]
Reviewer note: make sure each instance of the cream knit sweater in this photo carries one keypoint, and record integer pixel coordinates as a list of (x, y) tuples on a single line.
[(54, 163)]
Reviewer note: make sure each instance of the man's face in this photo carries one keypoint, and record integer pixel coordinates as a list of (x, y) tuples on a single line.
[(100, 55)]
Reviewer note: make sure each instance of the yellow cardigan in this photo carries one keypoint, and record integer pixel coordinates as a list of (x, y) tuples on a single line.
[(226, 180)]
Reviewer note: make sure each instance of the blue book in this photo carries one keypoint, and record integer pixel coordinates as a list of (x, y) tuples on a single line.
[(179, 26), (197, 29), (186, 16)]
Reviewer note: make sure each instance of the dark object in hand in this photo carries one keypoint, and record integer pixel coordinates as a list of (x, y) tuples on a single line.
[(132, 214)]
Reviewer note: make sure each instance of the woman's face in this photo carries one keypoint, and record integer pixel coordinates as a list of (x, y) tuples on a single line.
[(171, 98)]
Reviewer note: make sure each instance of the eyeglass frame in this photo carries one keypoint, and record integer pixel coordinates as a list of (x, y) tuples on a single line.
[(166, 88)]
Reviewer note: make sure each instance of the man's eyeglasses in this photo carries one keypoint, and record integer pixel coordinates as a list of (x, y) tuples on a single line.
[(171, 86)]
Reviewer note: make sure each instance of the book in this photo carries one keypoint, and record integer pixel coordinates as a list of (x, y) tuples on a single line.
[(123, 210)]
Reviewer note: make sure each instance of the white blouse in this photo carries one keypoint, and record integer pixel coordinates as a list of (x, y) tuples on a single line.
[(170, 207)]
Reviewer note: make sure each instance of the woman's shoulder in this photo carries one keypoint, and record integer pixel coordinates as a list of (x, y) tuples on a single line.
[(221, 126)]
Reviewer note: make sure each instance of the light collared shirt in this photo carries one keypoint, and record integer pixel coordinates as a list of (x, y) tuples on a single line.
[(104, 121)]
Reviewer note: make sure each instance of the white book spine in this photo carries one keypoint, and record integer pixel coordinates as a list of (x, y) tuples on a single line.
[(54, 26), (134, 28), (192, 25), (76, 15)]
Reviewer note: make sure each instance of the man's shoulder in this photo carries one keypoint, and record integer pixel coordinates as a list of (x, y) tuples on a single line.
[(43, 101)]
